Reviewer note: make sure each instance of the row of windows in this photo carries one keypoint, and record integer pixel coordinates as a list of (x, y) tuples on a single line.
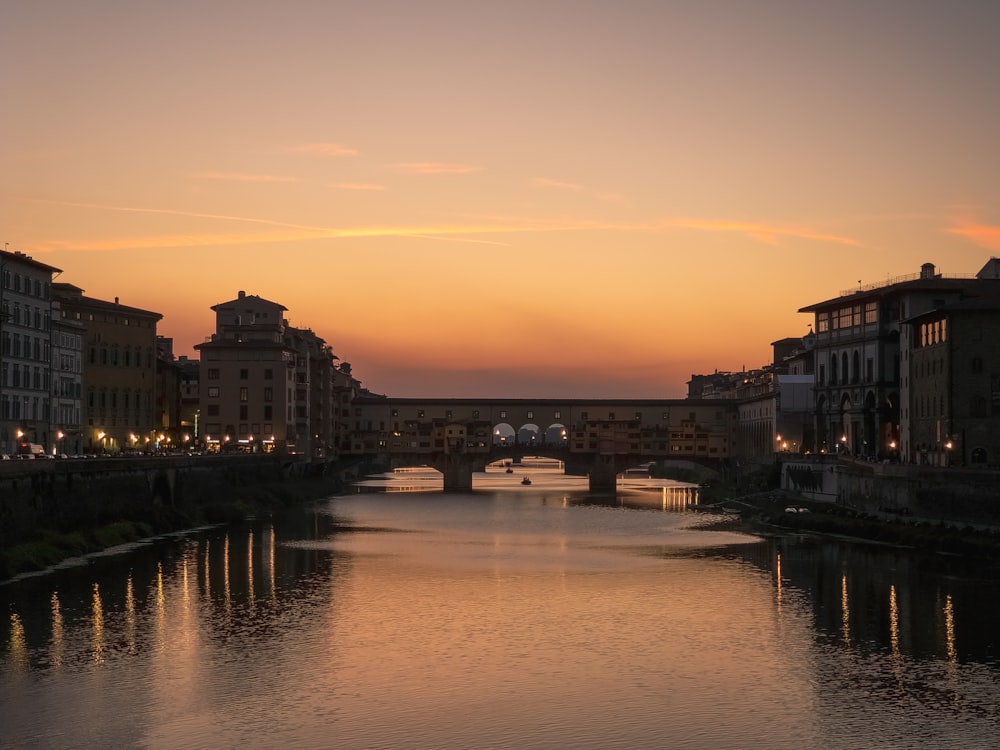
[(16, 376), (847, 317), (25, 347), (584, 416), (25, 407), (15, 282), (214, 410), (844, 371), (927, 366), (214, 391), (114, 357), (27, 316), (246, 429), (103, 399), (120, 320), (212, 373), (933, 333)]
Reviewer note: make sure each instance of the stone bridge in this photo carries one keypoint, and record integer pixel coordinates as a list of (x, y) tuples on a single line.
[(599, 437)]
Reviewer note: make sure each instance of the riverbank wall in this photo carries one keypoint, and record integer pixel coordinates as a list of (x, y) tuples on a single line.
[(950, 494), (59, 509)]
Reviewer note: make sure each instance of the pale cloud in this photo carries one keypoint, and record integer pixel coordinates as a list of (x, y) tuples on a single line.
[(465, 232), (983, 235), (324, 149), (242, 177), (356, 186), (545, 182), (760, 231), (436, 167)]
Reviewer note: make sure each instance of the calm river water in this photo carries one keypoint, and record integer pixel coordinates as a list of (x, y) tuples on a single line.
[(510, 617)]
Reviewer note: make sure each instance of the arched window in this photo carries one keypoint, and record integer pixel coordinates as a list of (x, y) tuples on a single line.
[(856, 368), (843, 368)]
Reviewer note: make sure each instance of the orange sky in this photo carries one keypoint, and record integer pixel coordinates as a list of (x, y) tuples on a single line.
[(548, 199)]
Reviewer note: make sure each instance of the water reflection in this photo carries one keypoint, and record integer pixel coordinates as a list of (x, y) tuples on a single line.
[(498, 619)]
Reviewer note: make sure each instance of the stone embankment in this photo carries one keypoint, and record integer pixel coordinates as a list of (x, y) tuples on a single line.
[(783, 512), (51, 513)]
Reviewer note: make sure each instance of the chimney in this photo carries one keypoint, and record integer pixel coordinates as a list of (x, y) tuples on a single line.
[(927, 271), (116, 300), (242, 294)]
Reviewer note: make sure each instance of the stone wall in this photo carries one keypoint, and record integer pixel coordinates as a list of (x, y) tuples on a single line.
[(948, 494)]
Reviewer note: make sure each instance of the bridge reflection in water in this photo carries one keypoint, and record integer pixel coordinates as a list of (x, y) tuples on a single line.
[(546, 477)]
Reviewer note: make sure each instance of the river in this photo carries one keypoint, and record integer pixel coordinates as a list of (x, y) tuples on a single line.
[(514, 616)]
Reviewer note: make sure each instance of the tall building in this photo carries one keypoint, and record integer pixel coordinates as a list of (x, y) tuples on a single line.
[(25, 361), (119, 371), (67, 383), (861, 357), (952, 405), (246, 379)]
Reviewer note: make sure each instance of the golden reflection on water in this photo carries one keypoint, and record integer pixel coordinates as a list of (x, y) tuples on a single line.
[(130, 635), (97, 623), (845, 611), (227, 594), (208, 570), (270, 565), (777, 576), (949, 630), (893, 621), (250, 592), (18, 646), (58, 645)]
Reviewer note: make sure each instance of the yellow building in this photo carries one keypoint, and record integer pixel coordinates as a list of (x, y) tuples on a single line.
[(119, 371)]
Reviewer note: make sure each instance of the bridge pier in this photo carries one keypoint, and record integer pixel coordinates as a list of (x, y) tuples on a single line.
[(457, 471), (603, 475)]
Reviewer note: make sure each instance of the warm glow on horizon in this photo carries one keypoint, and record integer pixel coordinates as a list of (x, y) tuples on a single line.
[(597, 204)]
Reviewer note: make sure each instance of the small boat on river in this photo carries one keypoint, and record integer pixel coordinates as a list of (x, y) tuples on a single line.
[(526, 480)]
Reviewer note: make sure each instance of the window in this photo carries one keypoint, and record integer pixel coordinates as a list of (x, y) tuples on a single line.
[(244, 374), (213, 372), (268, 394), (268, 374), (244, 393), (213, 410), (213, 391), (244, 411), (871, 312), (531, 415), (267, 415)]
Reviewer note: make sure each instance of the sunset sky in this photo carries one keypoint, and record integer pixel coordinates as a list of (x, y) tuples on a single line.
[(521, 199)]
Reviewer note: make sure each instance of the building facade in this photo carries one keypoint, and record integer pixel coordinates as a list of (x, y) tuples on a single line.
[(246, 380), (953, 390), (67, 383), (119, 372), (25, 352), (860, 352)]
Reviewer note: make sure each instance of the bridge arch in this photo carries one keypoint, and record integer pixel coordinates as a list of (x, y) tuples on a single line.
[(503, 434)]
